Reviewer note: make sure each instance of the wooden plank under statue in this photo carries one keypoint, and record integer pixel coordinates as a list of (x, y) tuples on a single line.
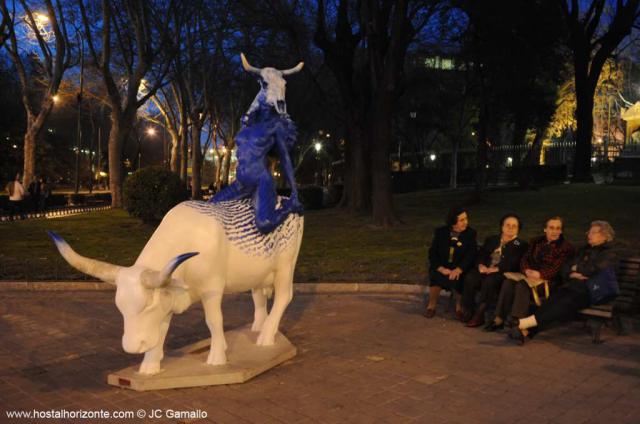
[(245, 239), (186, 367)]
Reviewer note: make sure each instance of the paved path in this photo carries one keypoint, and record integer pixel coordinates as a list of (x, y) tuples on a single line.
[(362, 359)]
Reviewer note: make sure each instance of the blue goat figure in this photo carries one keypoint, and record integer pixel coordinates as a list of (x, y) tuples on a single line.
[(266, 129)]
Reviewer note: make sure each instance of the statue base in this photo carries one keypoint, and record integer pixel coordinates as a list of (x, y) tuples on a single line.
[(187, 367)]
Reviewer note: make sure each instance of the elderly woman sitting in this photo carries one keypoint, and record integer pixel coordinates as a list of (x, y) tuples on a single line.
[(590, 260), (452, 253), (499, 254)]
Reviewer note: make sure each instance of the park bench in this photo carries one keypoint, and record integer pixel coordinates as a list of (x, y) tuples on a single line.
[(627, 303)]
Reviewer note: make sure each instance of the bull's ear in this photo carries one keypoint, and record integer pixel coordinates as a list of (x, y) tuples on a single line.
[(178, 283), (163, 278)]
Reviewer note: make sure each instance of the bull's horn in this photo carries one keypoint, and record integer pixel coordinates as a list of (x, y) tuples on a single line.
[(155, 279), (247, 67), (102, 270), (293, 70)]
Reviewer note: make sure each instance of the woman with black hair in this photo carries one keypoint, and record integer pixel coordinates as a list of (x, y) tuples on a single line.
[(499, 254), (452, 253)]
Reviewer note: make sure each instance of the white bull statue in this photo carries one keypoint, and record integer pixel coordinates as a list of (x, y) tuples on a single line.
[(229, 255)]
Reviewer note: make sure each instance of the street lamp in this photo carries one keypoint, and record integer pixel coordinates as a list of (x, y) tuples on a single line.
[(41, 21), (40, 18), (318, 147)]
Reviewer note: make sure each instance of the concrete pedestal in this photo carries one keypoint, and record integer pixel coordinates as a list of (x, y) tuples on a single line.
[(187, 367)]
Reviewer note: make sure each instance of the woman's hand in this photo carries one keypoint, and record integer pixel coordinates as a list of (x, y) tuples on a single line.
[(483, 269), (444, 271), (455, 274), (493, 270), (532, 273), (578, 276)]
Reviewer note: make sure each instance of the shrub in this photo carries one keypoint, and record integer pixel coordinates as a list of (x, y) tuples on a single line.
[(311, 196), (151, 192), (77, 199)]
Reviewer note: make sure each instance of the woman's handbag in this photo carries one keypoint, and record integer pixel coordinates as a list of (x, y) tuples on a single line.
[(603, 287), (533, 284)]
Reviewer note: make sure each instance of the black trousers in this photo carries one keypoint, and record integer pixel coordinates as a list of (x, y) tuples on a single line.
[(564, 304), (15, 207), (514, 299), (487, 284), (442, 281)]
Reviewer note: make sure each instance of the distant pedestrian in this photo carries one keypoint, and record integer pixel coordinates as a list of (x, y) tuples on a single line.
[(45, 193), (34, 194), (16, 196)]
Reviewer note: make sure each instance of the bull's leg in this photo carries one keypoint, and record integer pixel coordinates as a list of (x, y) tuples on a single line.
[(260, 309), (212, 304), (283, 286), (151, 363)]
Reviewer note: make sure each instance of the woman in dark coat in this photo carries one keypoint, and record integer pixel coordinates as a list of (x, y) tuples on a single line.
[(499, 254), (590, 260), (452, 253), (543, 261)]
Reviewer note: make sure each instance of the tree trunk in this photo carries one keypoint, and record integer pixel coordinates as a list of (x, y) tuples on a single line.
[(482, 152), (184, 152), (585, 90), (119, 132), (533, 158), (196, 162), (29, 161), (35, 123), (226, 161), (519, 130), (383, 210), (174, 161), (356, 196), (453, 177), (217, 179), (225, 165)]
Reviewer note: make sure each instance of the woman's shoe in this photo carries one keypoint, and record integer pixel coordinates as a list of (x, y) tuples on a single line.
[(476, 321), (513, 322), (492, 326), (430, 313), (516, 335)]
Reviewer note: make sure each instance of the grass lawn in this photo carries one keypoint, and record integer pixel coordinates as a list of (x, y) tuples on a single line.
[(338, 247)]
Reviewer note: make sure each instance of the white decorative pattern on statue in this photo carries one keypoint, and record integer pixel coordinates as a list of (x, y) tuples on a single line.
[(237, 217)]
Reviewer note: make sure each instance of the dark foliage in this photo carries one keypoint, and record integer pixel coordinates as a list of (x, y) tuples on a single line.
[(151, 192)]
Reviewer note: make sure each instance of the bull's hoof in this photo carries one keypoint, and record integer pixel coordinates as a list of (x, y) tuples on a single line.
[(265, 340), (257, 326), (217, 358), (150, 368)]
